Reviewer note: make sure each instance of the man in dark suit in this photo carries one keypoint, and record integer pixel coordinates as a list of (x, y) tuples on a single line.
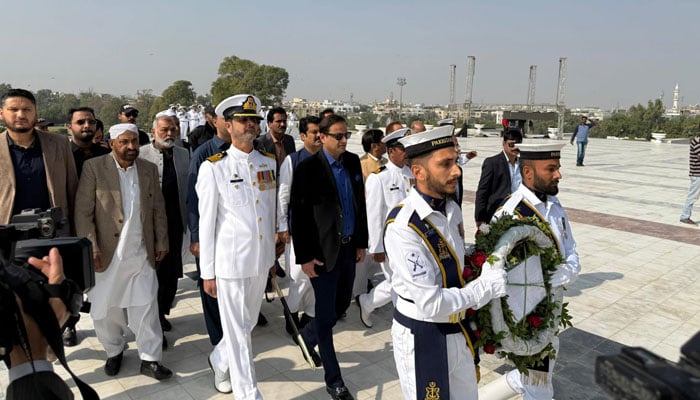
[(330, 231), (500, 176), (276, 141)]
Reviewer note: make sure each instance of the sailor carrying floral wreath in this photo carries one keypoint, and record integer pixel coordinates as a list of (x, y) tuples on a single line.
[(530, 237)]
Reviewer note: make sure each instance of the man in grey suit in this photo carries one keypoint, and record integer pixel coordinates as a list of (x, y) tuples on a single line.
[(173, 163), (120, 209)]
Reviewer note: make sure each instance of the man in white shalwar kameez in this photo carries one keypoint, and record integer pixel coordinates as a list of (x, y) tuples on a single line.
[(124, 296)]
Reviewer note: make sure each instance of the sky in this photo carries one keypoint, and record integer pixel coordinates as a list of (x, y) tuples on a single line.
[(619, 53)]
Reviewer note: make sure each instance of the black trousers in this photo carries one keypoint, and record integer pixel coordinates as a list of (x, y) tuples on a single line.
[(169, 270)]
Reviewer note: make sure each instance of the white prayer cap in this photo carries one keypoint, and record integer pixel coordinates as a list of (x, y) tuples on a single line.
[(118, 129), (427, 141), (241, 105), (540, 151), (393, 138)]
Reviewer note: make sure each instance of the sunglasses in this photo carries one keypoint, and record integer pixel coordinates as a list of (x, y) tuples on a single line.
[(512, 144), (134, 114), (340, 136)]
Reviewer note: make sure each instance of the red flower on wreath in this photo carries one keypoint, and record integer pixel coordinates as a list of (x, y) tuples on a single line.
[(477, 333), (534, 320), (478, 259), (468, 274), (471, 311), (489, 348)]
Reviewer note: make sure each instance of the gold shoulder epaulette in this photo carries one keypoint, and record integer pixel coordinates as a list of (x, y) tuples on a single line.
[(216, 157), (266, 154), (380, 169)]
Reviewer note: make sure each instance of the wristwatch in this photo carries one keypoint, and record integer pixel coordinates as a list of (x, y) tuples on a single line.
[(69, 292)]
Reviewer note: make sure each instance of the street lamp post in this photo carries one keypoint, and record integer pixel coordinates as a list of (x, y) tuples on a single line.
[(401, 82)]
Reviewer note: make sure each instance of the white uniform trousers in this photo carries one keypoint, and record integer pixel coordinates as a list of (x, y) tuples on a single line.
[(142, 320), (364, 271), (239, 304), (460, 364), (381, 294), (301, 294), (519, 383)]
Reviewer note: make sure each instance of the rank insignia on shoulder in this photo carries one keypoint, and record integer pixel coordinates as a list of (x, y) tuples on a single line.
[(216, 157), (380, 169), (266, 154)]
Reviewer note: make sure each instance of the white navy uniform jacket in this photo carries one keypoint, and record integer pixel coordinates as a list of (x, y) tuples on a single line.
[(285, 193), (416, 275), (383, 191), (552, 212), (237, 199)]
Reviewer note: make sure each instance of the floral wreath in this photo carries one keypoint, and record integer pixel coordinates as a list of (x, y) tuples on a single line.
[(508, 242)]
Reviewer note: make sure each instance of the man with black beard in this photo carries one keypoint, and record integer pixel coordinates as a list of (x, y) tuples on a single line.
[(536, 196), (81, 127), (36, 168), (173, 163)]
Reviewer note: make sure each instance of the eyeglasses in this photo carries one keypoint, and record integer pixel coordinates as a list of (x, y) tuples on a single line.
[(130, 114), (340, 136), (86, 121)]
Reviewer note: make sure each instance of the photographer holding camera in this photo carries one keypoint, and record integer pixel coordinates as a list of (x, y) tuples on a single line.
[(40, 304)]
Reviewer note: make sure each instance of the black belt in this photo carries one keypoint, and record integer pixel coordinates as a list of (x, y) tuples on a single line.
[(445, 328), (346, 239)]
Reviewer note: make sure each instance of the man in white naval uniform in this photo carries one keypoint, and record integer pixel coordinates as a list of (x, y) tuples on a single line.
[(120, 208), (193, 118), (536, 196), (301, 294), (384, 189), (237, 200), (184, 123), (425, 251)]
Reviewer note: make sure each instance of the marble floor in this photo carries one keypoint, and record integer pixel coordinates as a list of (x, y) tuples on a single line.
[(638, 287)]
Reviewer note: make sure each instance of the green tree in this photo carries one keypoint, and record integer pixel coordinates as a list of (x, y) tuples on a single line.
[(237, 76), (180, 92)]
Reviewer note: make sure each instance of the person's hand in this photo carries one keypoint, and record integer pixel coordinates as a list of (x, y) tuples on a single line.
[(359, 255), (571, 142), (471, 154), (496, 278), (51, 266), (194, 249), (160, 255), (378, 257), (97, 261), (309, 268), (210, 287), (284, 236)]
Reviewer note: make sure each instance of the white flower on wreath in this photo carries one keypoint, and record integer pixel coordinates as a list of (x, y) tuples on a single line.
[(485, 228)]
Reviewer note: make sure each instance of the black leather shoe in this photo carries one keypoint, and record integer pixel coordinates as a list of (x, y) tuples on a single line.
[(262, 321), (155, 370), (70, 338), (165, 324), (289, 321), (339, 393), (113, 364)]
